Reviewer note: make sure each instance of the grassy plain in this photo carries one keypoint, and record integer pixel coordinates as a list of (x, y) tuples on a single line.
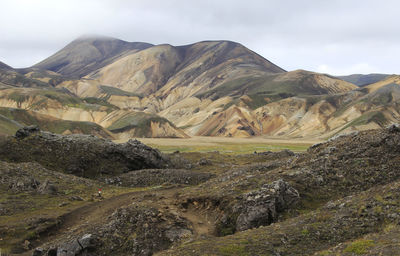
[(228, 145)]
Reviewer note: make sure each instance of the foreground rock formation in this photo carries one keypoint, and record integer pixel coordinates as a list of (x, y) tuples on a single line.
[(81, 155), (338, 197)]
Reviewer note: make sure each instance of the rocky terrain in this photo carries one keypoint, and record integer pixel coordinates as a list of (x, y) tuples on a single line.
[(340, 197), (209, 88), (82, 155)]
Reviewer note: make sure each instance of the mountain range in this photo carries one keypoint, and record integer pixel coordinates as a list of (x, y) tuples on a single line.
[(112, 88)]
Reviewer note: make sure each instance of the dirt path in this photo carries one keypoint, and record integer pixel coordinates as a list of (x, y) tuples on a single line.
[(96, 213)]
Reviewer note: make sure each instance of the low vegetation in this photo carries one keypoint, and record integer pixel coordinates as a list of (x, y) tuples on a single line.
[(340, 197)]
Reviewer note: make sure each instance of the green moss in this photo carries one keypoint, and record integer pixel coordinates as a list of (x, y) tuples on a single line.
[(140, 121), (256, 101), (8, 126), (231, 103), (21, 80), (18, 97), (305, 232), (230, 250), (63, 97), (118, 92), (323, 253), (359, 247), (101, 102), (266, 87), (375, 116)]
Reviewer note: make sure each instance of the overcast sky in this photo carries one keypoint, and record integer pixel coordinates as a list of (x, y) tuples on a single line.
[(330, 36)]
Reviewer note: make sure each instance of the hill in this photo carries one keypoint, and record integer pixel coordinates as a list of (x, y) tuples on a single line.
[(66, 112), (209, 88), (363, 80), (164, 68), (12, 119)]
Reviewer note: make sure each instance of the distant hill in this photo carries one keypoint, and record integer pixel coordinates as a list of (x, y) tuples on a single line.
[(282, 85), (363, 80), (202, 65), (11, 119), (208, 88)]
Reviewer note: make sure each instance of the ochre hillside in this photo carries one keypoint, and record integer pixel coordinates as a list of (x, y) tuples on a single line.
[(210, 88)]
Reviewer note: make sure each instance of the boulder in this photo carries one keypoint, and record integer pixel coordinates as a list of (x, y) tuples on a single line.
[(394, 128), (38, 252), (26, 131), (261, 207), (48, 188), (79, 246)]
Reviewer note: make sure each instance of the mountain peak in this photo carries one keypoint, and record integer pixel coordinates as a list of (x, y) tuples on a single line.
[(5, 66), (88, 53), (95, 37)]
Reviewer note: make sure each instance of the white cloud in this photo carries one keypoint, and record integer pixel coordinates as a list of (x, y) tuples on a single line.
[(293, 34)]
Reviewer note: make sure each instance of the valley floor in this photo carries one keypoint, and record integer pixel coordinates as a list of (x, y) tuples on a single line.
[(228, 145)]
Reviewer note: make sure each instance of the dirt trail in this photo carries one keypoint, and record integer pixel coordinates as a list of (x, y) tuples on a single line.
[(96, 213), (202, 224)]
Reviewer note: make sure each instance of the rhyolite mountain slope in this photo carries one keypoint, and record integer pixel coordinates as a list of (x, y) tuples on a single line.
[(87, 54), (210, 88), (195, 68), (60, 104), (363, 80), (12, 119)]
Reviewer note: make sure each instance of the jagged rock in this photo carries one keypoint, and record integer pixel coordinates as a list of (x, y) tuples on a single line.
[(24, 184), (86, 243), (38, 252), (204, 161), (26, 131), (82, 155), (394, 128), (261, 208), (75, 198), (27, 245), (279, 154), (48, 188)]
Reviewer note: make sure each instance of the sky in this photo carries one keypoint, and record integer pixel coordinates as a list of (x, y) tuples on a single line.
[(338, 37)]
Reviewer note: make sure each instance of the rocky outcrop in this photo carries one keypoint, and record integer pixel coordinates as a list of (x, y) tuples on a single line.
[(80, 246), (26, 131), (47, 187), (155, 177), (257, 208), (82, 155), (133, 230), (261, 207), (149, 230), (83, 246)]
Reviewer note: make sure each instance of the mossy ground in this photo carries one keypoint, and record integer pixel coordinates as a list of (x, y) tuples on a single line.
[(349, 199), (31, 207)]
